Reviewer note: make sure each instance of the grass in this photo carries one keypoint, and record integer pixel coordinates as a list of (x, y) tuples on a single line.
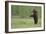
[(20, 16), (24, 23)]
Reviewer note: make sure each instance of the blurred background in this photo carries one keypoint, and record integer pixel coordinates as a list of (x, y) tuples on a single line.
[(24, 11)]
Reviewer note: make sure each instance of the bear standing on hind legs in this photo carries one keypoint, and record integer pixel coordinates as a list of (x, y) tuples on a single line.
[(34, 15)]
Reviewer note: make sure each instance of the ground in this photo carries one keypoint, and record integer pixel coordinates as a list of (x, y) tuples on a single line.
[(24, 23)]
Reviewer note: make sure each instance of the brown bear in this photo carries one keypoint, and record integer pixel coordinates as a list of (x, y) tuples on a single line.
[(35, 16)]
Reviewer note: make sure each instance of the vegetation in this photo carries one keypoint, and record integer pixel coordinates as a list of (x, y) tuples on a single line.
[(21, 16)]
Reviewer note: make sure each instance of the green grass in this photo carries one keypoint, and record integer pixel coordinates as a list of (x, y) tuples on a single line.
[(20, 16), (24, 23)]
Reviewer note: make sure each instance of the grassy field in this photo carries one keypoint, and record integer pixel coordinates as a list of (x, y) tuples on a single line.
[(24, 23), (20, 16)]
